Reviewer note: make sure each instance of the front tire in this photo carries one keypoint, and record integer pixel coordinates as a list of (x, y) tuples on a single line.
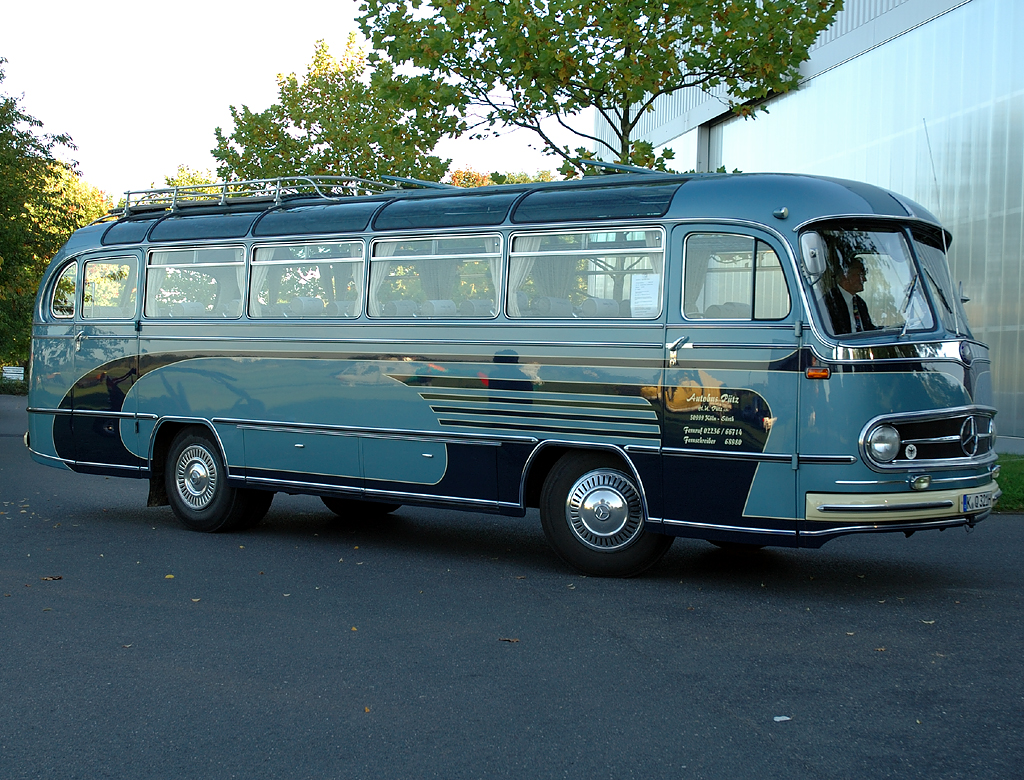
[(198, 490), (593, 516)]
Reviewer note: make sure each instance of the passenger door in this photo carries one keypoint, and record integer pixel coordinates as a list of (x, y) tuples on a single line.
[(729, 397), (106, 363)]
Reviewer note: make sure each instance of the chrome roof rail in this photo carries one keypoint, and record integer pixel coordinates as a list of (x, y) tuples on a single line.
[(255, 191)]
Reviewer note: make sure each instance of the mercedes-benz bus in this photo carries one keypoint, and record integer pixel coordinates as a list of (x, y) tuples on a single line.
[(748, 359)]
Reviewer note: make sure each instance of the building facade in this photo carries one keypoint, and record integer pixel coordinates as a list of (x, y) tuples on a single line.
[(922, 97)]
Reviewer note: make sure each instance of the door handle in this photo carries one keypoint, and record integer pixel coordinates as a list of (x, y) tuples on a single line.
[(672, 347), (78, 339)]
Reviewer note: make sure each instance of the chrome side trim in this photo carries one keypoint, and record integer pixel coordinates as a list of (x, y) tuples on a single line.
[(946, 504), (730, 528), (136, 469), (101, 413), (987, 477), (379, 433), (848, 529), (64, 461), (759, 457), (871, 482), (722, 345), (474, 502), (45, 410), (824, 459), (377, 342)]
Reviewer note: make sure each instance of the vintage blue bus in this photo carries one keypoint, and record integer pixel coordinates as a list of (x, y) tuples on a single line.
[(746, 359)]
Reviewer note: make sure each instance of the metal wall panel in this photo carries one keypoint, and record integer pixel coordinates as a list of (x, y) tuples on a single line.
[(936, 114)]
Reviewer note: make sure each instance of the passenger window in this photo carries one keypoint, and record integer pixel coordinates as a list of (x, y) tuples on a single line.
[(732, 277), (608, 274), (110, 288), (195, 283), (436, 277), (307, 280), (62, 305)]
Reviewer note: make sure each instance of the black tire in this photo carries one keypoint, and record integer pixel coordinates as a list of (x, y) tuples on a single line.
[(354, 510), (593, 517), (198, 491)]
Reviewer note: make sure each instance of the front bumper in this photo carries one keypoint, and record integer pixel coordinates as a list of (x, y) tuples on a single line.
[(877, 510)]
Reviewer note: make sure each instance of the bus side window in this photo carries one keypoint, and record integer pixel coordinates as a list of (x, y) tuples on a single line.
[(597, 274), (307, 280), (110, 288), (195, 283), (436, 277), (62, 306), (732, 277)]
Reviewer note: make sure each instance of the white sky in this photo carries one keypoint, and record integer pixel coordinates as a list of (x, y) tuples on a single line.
[(140, 88)]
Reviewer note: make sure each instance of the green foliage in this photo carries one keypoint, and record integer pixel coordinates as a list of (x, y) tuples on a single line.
[(339, 119), (187, 177), (13, 387), (42, 201), (467, 177), (1011, 482), (520, 61)]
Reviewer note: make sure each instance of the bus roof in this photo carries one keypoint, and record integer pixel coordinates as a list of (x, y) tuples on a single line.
[(328, 205)]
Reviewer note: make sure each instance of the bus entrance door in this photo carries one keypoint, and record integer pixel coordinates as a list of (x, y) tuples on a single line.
[(729, 399)]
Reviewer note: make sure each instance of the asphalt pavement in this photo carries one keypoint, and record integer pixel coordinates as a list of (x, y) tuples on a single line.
[(457, 645)]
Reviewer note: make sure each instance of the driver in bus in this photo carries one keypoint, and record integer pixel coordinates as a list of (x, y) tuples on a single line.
[(847, 309)]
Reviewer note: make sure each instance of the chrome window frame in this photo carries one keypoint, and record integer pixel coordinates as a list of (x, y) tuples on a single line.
[(306, 241), (596, 227)]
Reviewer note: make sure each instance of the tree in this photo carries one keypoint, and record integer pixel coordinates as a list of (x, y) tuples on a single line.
[(42, 201), (189, 177), (520, 61), (339, 119)]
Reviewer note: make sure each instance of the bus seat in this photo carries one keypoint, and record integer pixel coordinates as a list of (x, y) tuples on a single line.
[(402, 308), (438, 309), (229, 310), (188, 309), (307, 307), (546, 306), (475, 307), (600, 307), (727, 311), (340, 309)]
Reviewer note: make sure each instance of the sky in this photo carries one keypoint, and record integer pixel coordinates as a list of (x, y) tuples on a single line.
[(141, 88)]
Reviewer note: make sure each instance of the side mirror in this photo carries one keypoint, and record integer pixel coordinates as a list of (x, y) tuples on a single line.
[(813, 252)]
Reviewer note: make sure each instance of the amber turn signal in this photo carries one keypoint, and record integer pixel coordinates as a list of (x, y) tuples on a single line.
[(818, 372)]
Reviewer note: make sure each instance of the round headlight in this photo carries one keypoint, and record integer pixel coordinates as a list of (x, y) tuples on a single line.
[(884, 443)]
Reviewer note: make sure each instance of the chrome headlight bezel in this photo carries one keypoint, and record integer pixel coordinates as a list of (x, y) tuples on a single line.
[(883, 443)]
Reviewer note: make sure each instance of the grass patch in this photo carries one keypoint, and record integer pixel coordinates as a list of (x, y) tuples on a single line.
[(13, 387), (1011, 481)]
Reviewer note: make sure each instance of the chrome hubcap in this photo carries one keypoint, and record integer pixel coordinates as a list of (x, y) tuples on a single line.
[(604, 511), (196, 477)]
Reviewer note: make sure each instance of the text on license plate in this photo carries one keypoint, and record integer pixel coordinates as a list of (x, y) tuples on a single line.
[(974, 502)]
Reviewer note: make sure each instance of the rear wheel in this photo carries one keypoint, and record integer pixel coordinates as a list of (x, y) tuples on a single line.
[(593, 517), (198, 490), (353, 509)]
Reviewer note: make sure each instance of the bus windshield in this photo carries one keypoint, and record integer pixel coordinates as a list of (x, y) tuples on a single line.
[(870, 283)]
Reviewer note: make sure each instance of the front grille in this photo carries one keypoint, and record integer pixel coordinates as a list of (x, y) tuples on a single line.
[(959, 438)]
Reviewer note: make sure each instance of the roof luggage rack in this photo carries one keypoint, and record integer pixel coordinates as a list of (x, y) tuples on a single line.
[(225, 193)]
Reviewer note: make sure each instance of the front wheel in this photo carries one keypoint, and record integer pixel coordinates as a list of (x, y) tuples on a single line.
[(593, 517), (198, 490)]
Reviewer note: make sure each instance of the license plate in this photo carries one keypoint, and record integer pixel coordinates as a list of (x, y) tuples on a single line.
[(975, 502)]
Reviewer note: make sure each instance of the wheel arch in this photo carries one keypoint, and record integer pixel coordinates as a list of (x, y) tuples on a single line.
[(164, 432), (547, 453)]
